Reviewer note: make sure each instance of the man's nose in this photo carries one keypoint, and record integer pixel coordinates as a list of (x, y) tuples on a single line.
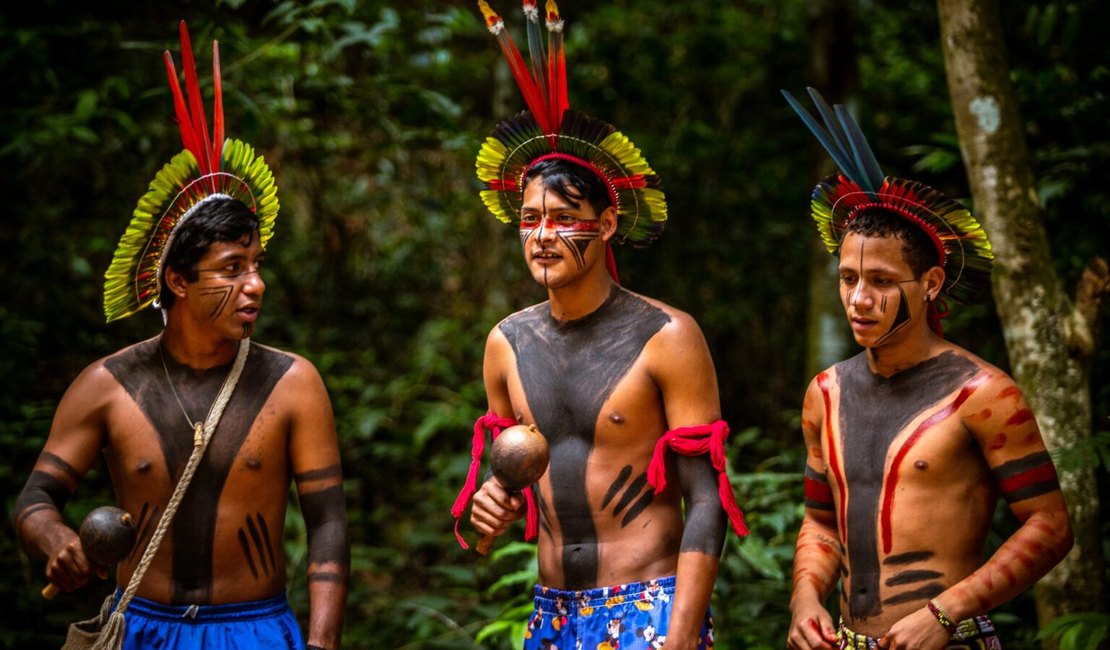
[(546, 229), (861, 297), (253, 283)]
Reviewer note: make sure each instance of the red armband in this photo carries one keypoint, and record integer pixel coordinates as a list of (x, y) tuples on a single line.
[(493, 423), (695, 441)]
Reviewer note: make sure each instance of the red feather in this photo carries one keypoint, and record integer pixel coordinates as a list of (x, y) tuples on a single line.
[(184, 124), (218, 107), (196, 106)]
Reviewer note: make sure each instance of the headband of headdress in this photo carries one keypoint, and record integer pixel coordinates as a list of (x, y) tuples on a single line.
[(207, 169), (962, 245), (550, 129)]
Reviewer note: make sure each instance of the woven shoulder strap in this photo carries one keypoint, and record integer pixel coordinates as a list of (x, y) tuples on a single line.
[(114, 627)]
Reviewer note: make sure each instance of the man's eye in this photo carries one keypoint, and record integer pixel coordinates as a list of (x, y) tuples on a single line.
[(529, 219), (567, 218), (848, 279)]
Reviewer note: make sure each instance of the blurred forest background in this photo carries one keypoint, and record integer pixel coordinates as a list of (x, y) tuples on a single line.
[(387, 272)]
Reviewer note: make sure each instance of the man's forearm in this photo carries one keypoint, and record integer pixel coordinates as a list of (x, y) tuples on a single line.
[(817, 558), (694, 580)]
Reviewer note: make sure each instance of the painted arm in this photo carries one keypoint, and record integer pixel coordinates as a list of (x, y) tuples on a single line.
[(818, 553), (494, 507), (1024, 475), (77, 434), (683, 370), (314, 455)]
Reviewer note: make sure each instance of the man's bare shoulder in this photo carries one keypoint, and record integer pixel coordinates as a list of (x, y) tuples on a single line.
[(98, 378), (680, 325)]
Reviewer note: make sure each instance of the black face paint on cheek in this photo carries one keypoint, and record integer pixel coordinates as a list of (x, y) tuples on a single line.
[(568, 371), (873, 411), (223, 294), (139, 370), (901, 317)]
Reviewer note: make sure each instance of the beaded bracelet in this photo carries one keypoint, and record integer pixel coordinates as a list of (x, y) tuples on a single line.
[(942, 616)]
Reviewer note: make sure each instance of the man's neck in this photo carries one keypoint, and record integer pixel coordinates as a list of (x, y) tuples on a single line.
[(907, 352), (197, 350), (580, 299)]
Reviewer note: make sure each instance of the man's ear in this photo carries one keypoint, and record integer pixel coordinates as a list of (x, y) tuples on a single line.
[(608, 223), (934, 282), (175, 282)]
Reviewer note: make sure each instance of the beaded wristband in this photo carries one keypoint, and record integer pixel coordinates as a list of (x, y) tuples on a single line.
[(942, 616)]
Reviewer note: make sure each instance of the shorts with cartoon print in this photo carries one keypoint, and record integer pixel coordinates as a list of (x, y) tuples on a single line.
[(634, 616)]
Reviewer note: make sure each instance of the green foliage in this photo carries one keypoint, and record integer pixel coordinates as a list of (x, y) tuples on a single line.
[(1080, 631), (387, 272)]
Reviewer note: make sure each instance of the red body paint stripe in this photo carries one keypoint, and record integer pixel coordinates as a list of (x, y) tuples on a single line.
[(892, 478), (834, 464), (1040, 474), (1021, 417), (818, 491)]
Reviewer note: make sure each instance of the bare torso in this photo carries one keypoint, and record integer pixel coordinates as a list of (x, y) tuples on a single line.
[(587, 387), (913, 494), (223, 546)]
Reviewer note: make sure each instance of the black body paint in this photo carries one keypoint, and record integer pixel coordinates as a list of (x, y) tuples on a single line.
[(325, 519), (139, 370), (257, 532), (873, 411), (42, 491), (706, 523), (908, 558), (568, 371)]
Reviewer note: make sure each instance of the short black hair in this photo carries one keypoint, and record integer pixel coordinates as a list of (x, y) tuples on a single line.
[(918, 248), (574, 183), (216, 220)]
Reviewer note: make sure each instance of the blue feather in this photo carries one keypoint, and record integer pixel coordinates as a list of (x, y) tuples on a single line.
[(839, 156), (871, 177), (842, 139)]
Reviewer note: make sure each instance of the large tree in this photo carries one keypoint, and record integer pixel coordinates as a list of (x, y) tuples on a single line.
[(1050, 335)]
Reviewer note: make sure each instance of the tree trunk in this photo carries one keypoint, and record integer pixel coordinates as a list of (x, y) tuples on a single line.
[(1049, 338)]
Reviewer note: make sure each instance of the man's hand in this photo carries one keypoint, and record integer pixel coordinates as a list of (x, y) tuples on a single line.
[(811, 628), (67, 567), (495, 508), (918, 631)]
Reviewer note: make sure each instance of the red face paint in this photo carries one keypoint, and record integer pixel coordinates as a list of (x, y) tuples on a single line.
[(999, 442)]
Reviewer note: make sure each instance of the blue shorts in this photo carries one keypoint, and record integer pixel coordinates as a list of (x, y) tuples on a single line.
[(265, 623), (634, 616)]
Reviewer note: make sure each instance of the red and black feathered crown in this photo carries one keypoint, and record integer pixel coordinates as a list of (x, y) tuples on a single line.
[(550, 129), (207, 168), (963, 247)]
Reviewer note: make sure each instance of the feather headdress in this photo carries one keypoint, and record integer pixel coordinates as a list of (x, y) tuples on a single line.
[(965, 252), (551, 129), (206, 169)]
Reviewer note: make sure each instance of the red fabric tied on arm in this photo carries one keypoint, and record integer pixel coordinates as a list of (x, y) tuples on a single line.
[(695, 441), (495, 424)]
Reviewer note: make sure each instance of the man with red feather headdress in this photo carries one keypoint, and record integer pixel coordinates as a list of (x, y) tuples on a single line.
[(631, 513), (202, 431)]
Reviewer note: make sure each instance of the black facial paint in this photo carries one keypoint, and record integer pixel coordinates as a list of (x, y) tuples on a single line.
[(873, 411), (901, 318), (139, 370), (224, 292), (568, 371)]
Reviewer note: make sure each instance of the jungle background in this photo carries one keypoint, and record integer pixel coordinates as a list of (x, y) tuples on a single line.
[(387, 272)]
